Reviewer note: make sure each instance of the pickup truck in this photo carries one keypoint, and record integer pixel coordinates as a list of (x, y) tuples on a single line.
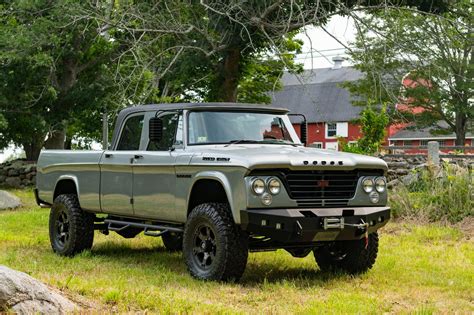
[(215, 181)]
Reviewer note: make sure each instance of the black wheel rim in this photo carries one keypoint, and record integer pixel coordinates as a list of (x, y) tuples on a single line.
[(204, 247), (62, 228), (336, 253)]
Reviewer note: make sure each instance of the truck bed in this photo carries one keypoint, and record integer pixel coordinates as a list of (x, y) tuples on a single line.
[(76, 166)]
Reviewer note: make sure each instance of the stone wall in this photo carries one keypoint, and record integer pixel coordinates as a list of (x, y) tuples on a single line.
[(17, 174), (403, 165)]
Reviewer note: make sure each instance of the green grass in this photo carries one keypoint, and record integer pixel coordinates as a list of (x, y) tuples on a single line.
[(420, 269)]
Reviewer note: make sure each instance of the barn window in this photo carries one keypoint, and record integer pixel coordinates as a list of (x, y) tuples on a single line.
[(331, 130)]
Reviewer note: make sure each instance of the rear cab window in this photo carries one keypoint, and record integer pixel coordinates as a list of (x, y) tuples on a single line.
[(131, 133)]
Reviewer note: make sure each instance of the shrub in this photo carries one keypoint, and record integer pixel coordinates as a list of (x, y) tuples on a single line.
[(443, 194), (373, 126)]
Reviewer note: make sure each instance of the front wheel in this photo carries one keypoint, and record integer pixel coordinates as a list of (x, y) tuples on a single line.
[(71, 230), (353, 257), (214, 248)]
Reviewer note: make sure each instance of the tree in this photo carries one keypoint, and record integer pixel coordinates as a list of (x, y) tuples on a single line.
[(422, 61), (57, 70), (228, 34)]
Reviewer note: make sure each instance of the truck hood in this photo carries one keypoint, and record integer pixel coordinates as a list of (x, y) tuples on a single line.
[(255, 156)]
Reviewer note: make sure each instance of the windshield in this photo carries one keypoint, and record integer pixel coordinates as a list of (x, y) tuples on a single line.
[(228, 127)]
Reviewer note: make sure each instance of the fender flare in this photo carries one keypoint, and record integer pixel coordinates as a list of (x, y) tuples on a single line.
[(219, 177), (67, 177)]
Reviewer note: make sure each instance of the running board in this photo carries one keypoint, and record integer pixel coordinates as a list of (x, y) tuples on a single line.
[(148, 229)]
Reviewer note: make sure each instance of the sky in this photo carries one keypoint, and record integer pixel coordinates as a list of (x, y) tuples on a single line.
[(318, 50), (324, 46)]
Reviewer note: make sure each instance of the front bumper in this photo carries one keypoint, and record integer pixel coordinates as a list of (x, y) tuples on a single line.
[(296, 226)]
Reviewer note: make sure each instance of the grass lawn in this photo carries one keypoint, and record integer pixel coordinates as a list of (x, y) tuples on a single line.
[(423, 269)]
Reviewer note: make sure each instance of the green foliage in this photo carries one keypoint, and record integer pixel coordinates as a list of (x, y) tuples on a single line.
[(263, 72), (374, 129), (436, 195), (434, 52), (58, 73)]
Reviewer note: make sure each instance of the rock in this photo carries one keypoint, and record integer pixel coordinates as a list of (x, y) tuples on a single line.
[(8, 201), (13, 172), (398, 164), (410, 178), (401, 171), (391, 184), (23, 294), (14, 182)]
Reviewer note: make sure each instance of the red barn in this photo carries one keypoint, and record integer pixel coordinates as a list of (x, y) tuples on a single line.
[(317, 94)]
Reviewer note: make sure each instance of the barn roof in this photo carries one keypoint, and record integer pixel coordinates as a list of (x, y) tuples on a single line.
[(317, 94), (410, 133)]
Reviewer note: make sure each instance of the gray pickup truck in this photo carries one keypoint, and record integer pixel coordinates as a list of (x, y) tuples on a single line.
[(216, 181)]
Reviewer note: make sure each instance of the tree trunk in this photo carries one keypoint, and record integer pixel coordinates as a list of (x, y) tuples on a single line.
[(461, 122), (227, 90), (33, 148), (56, 139)]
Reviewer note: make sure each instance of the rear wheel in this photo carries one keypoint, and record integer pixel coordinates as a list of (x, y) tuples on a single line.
[(71, 230), (214, 247), (348, 256), (173, 241)]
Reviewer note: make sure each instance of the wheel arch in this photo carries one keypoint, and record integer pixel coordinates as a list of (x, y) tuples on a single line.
[(210, 180), (66, 184)]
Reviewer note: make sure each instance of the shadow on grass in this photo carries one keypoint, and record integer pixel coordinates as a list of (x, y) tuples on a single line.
[(269, 273), (255, 274), (143, 257)]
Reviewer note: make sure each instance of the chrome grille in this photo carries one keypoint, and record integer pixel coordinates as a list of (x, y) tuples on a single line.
[(321, 188)]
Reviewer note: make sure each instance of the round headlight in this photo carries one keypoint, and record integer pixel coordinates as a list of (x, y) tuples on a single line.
[(374, 197), (274, 186), (368, 185), (266, 199), (258, 186), (380, 185)]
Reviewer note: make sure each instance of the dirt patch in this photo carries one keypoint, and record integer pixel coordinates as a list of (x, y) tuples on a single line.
[(467, 227)]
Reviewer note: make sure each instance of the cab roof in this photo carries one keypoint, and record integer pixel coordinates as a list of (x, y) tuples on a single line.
[(201, 106)]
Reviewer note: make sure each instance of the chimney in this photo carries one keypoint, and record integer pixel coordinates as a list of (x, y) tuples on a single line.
[(338, 60)]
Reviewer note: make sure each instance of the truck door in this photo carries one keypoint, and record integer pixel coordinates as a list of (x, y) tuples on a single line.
[(154, 177), (116, 184)]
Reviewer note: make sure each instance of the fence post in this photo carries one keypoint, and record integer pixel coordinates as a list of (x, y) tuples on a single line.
[(433, 153)]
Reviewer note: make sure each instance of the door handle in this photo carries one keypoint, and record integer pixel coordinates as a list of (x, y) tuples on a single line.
[(137, 156), (108, 155)]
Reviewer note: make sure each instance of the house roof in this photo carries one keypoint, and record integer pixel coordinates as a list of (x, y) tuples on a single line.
[(409, 133), (317, 94)]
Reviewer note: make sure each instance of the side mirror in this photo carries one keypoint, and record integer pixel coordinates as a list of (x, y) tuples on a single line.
[(155, 129), (304, 133), (303, 129)]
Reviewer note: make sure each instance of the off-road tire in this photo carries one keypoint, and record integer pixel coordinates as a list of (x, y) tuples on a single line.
[(79, 226), (348, 256), (173, 241), (231, 243)]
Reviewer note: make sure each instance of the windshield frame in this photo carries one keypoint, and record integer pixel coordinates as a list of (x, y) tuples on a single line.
[(286, 120)]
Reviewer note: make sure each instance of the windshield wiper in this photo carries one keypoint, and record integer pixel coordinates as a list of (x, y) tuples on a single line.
[(242, 141), (280, 141)]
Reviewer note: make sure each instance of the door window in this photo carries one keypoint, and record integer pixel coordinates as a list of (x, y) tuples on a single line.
[(172, 133), (131, 133)]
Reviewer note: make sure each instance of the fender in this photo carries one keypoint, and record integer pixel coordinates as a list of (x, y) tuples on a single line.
[(223, 180)]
